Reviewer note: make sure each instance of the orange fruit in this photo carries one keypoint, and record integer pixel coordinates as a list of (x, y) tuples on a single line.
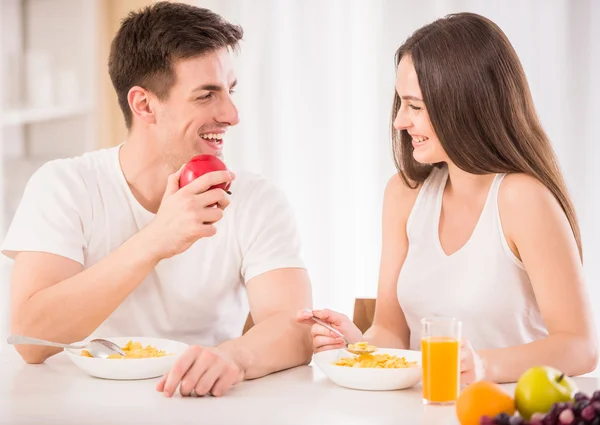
[(482, 398)]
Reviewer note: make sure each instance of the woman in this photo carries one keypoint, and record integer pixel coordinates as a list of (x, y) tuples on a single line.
[(477, 224)]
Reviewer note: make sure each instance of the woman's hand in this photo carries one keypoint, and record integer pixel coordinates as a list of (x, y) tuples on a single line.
[(324, 339), (471, 364)]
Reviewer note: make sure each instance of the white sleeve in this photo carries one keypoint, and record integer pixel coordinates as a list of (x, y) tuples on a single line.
[(268, 234), (51, 214)]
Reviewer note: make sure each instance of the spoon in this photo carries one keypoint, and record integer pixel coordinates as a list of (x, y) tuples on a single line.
[(99, 348), (352, 348)]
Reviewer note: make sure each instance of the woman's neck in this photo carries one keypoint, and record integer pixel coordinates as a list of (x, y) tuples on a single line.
[(465, 186)]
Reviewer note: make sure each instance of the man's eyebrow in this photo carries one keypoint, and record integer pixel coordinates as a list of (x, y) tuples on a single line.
[(213, 87)]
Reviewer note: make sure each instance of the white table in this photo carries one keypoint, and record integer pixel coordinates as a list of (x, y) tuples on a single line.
[(59, 393)]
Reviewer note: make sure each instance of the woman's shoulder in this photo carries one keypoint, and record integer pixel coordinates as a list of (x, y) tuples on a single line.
[(525, 204), (400, 187), (401, 194), (520, 190)]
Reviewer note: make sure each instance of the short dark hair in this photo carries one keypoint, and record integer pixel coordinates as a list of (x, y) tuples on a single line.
[(150, 40)]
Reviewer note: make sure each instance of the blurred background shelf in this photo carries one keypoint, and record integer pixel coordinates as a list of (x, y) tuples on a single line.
[(40, 114), (49, 88)]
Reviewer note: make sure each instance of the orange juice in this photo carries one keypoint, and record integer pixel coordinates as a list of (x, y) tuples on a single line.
[(441, 369)]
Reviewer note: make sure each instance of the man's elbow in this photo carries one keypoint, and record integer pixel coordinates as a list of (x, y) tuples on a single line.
[(32, 354), (307, 357), (307, 348)]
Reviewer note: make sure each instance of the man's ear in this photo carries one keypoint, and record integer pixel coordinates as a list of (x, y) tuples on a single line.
[(140, 103)]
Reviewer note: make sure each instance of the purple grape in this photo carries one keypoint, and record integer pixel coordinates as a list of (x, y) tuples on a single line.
[(588, 413), (580, 396), (536, 419), (552, 416), (560, 406), (596, 421), (517, 420), (502, 419), (596, 405), (566, 417), (579, 406), (486, 420), (596, 395)]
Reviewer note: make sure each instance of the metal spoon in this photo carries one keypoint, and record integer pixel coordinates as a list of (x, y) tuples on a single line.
[(100, 348), (332, 329)]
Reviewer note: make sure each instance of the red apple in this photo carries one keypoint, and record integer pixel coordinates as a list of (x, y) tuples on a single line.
[(202, 164)]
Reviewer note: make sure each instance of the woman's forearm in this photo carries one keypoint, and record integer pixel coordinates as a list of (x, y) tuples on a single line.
[(571, 354)]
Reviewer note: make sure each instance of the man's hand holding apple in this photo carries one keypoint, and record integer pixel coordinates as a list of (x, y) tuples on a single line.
[(188, 213)]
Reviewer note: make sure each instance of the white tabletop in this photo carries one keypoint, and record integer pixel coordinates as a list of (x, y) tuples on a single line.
[(59, 393)]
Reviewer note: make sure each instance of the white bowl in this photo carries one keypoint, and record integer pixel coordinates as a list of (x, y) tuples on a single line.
[(371, 379), (130, 368)]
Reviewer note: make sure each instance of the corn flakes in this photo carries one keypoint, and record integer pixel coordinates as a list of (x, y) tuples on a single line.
[(367, 360), (134, 350), (362, 346)]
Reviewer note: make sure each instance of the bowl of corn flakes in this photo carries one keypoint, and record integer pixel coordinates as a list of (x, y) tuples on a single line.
[(145, 358), (386, 369)]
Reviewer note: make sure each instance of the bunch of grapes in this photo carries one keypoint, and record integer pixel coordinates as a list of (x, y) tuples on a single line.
[(583, 410)]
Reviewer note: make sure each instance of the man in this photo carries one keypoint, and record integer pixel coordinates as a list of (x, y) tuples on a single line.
[(107, 244)]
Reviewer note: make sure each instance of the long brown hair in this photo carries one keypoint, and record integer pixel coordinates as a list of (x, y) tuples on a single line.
[(479, 105)]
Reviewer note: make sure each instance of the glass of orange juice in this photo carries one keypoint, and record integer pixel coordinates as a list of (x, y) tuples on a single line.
[(440, 351)]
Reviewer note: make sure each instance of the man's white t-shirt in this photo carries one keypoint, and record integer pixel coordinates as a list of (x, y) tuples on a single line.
[(82, 208)]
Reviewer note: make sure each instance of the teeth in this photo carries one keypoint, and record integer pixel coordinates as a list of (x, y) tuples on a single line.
[(216, 136), (420, 139)]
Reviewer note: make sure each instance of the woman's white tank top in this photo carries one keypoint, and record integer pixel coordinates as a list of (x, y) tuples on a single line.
[(483, 284)]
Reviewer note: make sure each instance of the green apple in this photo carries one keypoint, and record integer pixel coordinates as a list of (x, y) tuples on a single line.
[(540, 387)]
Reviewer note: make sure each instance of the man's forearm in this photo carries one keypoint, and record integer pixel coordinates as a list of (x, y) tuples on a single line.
[(72, 309), (275, 344)]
